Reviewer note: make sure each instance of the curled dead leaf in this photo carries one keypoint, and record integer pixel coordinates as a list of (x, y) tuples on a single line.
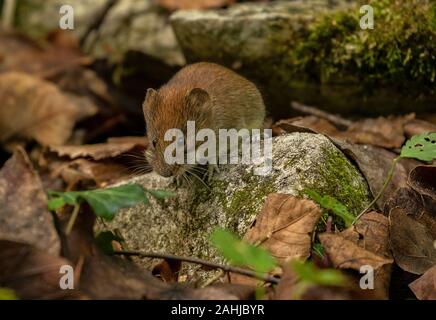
[(58, 54), (33, 273), (424, 288), (23, 206), (310, 124), (383, 132), (346, 254), (412, 243), (423, 180), (366, 243), (35, 109), (113, 148), (416, 127)]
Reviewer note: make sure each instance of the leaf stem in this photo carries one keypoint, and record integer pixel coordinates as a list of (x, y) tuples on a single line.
[(73, 219), (261, 276), (382, 190)]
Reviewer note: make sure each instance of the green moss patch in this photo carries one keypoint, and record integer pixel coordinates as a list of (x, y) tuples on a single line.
[(400, 50)]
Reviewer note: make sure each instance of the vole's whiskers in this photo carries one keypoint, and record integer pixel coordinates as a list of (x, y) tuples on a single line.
[(192, 172)]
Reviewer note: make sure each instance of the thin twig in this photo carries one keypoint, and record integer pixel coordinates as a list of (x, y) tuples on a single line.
[(383, 189), (97, 22), (8, 14), (73, 219), (261, 276), (335, 119)]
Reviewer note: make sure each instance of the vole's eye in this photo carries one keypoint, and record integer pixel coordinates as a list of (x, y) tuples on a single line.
[(153, 142)]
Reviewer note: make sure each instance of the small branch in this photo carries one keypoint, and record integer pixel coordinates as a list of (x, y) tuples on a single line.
[(73, 219), (261, 276), (383, 189), (98, 21), (335, 119), (8, 14)]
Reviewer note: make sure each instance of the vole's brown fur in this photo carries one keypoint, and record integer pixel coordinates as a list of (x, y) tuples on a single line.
[(211, 95)]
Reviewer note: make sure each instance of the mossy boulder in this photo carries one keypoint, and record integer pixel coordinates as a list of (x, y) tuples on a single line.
[(317, 53), (182, 225)]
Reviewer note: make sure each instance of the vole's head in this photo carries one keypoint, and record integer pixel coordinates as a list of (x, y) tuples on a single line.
[(170, 108)]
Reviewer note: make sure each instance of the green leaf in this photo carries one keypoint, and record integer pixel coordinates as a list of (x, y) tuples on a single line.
[(160, 194), (7, 294), (309, 273), (55, 203), (239, 252), (105, 202), (421, 147), (104, 241), (332, 204)]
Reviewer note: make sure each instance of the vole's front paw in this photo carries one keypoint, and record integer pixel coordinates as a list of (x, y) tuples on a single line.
[(211, 170), (178, 180)]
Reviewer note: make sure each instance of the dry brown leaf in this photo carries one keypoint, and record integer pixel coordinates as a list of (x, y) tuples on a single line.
[(33, 273), (346, 254), (424, 288), (36, 109), (415, 127), (305, 124), (412, 243), (113, 148), (375, 163), (407, 199), (285, 290), (284, 226), (382, 132), (194, 4), (82, 82), (167, 270), (423, 180), (59, 54), (366, 243), (101, 173), (23, 206)]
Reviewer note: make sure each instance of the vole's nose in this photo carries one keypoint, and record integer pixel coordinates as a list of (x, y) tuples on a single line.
[(164, 172)]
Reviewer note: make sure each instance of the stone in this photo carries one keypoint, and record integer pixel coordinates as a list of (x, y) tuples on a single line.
[(130, 25), (182, 225), (314, 52)]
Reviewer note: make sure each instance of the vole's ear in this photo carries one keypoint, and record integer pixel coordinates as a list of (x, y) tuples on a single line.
[(149, 99), (198, 98)]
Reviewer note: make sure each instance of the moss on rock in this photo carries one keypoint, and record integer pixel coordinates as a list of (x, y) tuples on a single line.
[(234, 198)]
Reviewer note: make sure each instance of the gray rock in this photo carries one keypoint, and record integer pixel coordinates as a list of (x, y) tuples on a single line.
[(259, 40), (182, 225), (131, 25), (255, 39)]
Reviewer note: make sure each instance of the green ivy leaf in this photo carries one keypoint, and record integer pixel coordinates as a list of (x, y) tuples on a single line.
[(332, 204), (421, 147), (104, 241), (241, 253), (105, 202), (309, 273)]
